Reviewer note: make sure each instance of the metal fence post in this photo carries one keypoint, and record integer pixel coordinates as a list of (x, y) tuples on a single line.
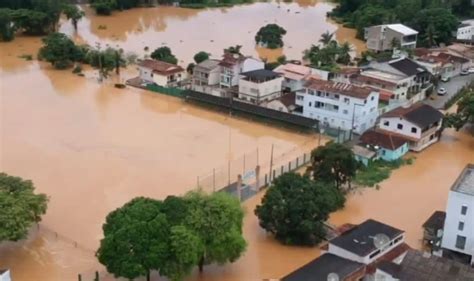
[(289, 166), (257, 174), (239, 187), (297, 158)]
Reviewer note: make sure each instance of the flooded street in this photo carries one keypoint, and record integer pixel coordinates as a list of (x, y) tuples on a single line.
[(92, 147), (188, 31)]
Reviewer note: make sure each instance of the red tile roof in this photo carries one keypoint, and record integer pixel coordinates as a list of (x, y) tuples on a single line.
[(339, 88), (161, 67), (383, 139), (229, 59)]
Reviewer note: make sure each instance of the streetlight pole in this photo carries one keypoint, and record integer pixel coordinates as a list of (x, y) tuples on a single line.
[(353, 118)]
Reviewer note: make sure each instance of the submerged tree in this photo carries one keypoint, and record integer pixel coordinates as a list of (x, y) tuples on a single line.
[(164, 54), (200, 57), (333, 163), (295, 208), (74, 14), (20, 207), (233, 49), (60, 51), (464, 113), (270, 36)]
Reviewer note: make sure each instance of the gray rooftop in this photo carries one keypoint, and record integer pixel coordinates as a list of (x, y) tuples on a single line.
[(209, 64), (465, 182)]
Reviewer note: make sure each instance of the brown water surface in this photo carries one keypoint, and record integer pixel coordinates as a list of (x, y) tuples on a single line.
[(188, 31)]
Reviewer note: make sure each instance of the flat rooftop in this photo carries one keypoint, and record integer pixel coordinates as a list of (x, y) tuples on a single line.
[(465, 182), (382, 75)]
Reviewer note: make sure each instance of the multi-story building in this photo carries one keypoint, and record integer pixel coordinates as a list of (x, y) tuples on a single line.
[(339, 105), (234, 64), (160, 72), (206, 77), (260, 85), (458, 234), (294, 76), (441, 64), (382, 37), (419, 123), (465, 31)]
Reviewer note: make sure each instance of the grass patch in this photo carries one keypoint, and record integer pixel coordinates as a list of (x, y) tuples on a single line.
[(378, 171)]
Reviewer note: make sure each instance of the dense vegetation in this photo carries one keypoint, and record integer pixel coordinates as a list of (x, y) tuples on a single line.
[(465, 110), (295, 208), (433, 19), (200, 57), (329, 53), (62, 53), (20, 207), (164, 54), (270, 36), (172, 236), (33, 17)]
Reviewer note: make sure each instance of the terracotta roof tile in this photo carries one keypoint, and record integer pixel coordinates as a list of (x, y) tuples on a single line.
[(161, 67), (339, 88), (383, 139)]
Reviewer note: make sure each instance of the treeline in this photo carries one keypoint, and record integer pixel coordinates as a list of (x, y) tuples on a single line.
[(433, 19), (33, 17)]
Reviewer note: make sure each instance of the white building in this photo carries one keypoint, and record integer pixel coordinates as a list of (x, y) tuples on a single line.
[(466, 31), (5, 275), (234, 64), (206, 77), (381, 37), (339, 105), (161, 73), (294, 76), (260, 85), (419, 123), (458, 234)]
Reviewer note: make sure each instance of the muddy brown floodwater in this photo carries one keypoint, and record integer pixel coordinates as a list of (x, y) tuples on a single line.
[(188, 31), (92, 147)]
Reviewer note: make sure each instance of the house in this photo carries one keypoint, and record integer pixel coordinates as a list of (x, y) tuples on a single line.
[(160, 72), (465, 31), (232, 65), (388, 146), (419, 266), (364, 154), (458, 233), (368, 242), (461, 50), (433, 230), (5, 275), (260, 85), (418, 77), (355, 253), (322, 267), (419, 123), (441, 64), (382, 37), (285, 103), (294, 76), (339, 105), (206, 77)]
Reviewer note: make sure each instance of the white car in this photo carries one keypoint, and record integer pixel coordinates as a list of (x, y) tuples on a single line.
[(471, 70), (464, 72), (442, 91), (445, 79)]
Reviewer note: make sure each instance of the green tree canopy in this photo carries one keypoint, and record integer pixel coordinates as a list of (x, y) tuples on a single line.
[(20, 207), (270, 36), (200, 57), (73, 13), (465, 111), (295, 208), (233, 49), (333, 163), (60, 51), (164, 54)]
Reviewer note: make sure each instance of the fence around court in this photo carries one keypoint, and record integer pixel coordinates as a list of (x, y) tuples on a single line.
[(244, 176)]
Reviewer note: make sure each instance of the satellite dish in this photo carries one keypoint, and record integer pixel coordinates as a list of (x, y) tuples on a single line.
[(380, 240), (333, 277)]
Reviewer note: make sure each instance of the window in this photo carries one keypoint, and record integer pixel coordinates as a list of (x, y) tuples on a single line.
[(372, 98), (310, 103), (413, 130), (400, 126), (463, 210), (386, 123), (336, 96), (345, 111), (346, 100), (151, 74), (460, 242), (374, 254), (461, 226)]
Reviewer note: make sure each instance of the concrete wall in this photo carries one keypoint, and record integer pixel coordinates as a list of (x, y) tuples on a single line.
[(453, 216), (465, 33)]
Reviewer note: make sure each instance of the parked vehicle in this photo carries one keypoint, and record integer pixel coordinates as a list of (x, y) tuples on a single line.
[(471, 70), (442, 91), (445, 79), (465, 72)]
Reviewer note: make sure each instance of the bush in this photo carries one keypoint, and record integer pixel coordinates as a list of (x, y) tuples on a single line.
[(77, 69)]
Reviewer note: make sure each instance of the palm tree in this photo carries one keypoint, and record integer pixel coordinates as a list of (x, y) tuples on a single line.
[(233, 49), (344, 55), (326, 38), (431, 34)]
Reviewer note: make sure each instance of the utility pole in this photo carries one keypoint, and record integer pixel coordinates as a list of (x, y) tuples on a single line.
[(271, 165)]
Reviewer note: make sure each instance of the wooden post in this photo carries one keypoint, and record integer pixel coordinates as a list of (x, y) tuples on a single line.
[(79, 277), (289, 166), (239, 187)]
